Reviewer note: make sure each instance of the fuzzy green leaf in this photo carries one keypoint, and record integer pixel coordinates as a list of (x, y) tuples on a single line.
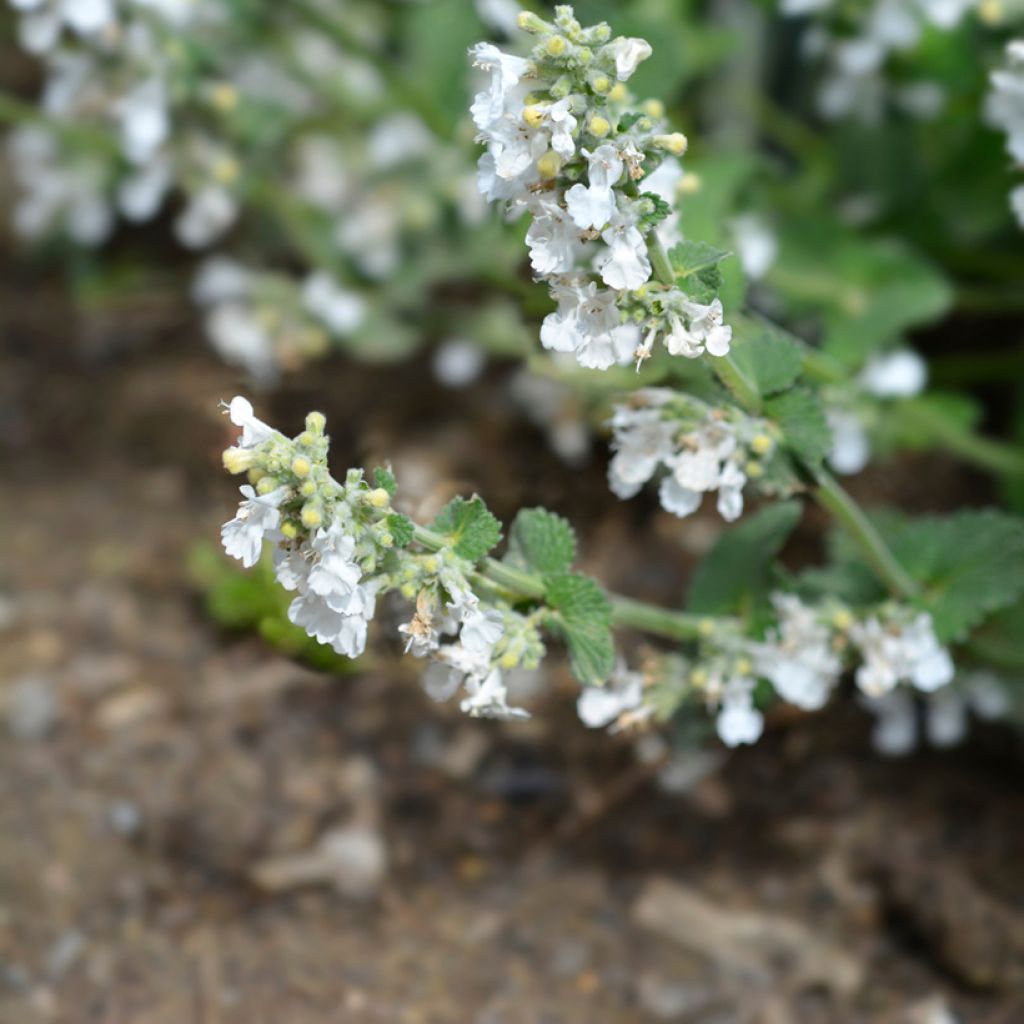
[(696, 268), (401, 529), (583, 618), (804, 428), (971, 564), (766, 356), (469, 528), (541, 541), (383, 477), (736, 574)]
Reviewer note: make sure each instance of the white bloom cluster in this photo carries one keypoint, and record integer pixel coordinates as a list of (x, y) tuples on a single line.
[(265, 322), (897, 651), (855, 83), (566, 145), (898, 374), (1005, 109), (333, 547), (701, 449), (944, 715)]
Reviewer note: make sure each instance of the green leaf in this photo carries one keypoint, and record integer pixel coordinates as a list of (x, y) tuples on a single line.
[(469, 528), (736, 575), (804, 427), (401, 529), (971, 564), (541, 541), (696, 269), (767, 356), (583, 618), (384, 478)]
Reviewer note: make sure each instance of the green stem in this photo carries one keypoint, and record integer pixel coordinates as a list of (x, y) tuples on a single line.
[(626, 612), (851, 517)]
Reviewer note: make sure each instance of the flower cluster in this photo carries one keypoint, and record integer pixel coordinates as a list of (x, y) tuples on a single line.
[(855, 55), (852, 410), (703, 450), (803, 657), (1005, 109), (567, 145), (340, 546)]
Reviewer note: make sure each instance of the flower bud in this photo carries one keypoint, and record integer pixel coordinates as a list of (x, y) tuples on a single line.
[(238, 460), (549, 164), (301, 466), (225, 170), (675, 143), (761, 443), (308, 488), (312, 517), (532, 23), (744, 666), (556, 46), (842, 619), (753, 469), (601, 84), (619, 93), (599, 126), (689, 184), (991, 12), (653, 108), (378, 498), (706, 627), (290, 529), (533, 115), (223, 97), (316, 422), (267, 484)]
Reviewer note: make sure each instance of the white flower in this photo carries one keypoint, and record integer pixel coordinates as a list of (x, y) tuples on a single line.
[(704, 464), (593, 205), (340, 310), (909, 653), (899, 374), (145, 123), (738, 720), (895, 730), (506, 71), (220, 279), (628, 53), (756, 243), (561, 125), (241, 338), (706, 327), (599, 706), (254, 431), (140, 195), (209, 213), (458, 362), (642, 443), (552, 239), (625, 265), (798, 658), (488, 698), (587, 322), (851, 448), (257, 519)]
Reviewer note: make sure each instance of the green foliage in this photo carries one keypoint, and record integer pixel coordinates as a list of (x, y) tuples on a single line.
[(735, 576), (768, 357), (696, 268), (583, 618), (661, 208), (541, 542), (468, 527), (384, 478), (971, 564), (401, 528), (805, 430), (867, 291)]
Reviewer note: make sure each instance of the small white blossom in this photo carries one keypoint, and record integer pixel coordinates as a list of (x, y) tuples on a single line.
[(895, 653), (506, 71), (257, 520), (593, 205), (628, 53), (341, 311), (738, 721), (624, 264), (900, 374), (599, 706), (851, 448)]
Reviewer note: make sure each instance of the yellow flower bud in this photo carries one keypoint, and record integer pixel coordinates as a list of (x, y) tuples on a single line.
[(311, 517), (431, 564), (599, 126), (619, 93), (267, 484), (556, 46), (653, 108), (674, 142), (707, 627), (689, 184), (842, 620), (549, 165), (378, 498), (991, 12), (301, 466), (225, 170), (508, 660), (753, 469), (238, 460), (533, 115), (308, 488), (761, 443), (699, 677), (289, 529), (255, 475), (315, 422), (224, 97), (408, 591), (744, 667), (601, 84)]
